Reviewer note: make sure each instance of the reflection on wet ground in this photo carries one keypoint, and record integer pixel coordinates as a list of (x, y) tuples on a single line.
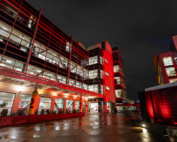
[(94, 127)]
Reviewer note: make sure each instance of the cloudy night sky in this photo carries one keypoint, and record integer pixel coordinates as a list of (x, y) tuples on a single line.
[(140, 28)]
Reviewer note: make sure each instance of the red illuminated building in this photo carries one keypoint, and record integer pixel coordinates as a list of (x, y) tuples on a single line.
[(165, 64), (40, 62), (158, 103)]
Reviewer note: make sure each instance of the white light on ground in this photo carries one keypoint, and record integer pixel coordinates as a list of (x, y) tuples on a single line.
[(144, 130), (143, 125)]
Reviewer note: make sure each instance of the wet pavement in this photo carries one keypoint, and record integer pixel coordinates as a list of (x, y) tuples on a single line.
[(94, 127)]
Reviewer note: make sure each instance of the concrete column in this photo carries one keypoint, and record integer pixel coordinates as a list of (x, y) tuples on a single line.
[(16, 102), (81, 103), (34, 100), (64, 104), (37, 102), (52, 104), (86, 106)]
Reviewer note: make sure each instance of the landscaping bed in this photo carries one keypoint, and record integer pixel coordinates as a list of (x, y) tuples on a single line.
[(12, 120)]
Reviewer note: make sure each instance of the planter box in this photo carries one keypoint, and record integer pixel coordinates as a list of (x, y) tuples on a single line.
[(12, 120)]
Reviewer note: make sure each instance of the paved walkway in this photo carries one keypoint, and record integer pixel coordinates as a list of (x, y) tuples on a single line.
[(93, 127)]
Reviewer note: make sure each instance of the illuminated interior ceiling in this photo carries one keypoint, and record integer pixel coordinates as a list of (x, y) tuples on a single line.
[(22, 82)]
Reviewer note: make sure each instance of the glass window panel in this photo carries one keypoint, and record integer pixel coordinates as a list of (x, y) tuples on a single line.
[(170, 71), (4, 33), (69, 105), (5, 27), (77, 105), (14, 38), (167, 61), (58, 104)]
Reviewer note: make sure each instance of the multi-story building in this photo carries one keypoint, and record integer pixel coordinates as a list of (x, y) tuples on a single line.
[(39, 63), (119, 78), (165, 64)]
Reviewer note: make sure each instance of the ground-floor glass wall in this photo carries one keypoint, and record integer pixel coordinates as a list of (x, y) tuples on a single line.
[(77, 106), (58, 104), (45, 104), (6, 102), (69, 105), (25, 103)]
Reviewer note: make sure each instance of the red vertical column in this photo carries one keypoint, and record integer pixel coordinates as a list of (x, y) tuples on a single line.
[(81, 103), (52, 104), (16, 102), (33, 100)]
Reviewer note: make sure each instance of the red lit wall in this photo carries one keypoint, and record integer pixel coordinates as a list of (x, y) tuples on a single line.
[(108, 80), (149, 107), (160, 106)]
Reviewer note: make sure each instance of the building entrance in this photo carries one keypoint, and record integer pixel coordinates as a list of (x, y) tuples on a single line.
[(93, 107)]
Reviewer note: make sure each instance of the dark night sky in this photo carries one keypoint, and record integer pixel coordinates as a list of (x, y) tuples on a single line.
[(140, 28)]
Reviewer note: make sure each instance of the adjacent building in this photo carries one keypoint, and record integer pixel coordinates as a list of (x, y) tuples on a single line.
[(38, 61), (165, 64), (158, 103)]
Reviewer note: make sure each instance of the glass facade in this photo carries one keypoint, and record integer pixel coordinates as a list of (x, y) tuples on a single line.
[(77, 105), (69, 105), (6, 101), (58, 104), (25, 103), (45, 104), (167, 61)]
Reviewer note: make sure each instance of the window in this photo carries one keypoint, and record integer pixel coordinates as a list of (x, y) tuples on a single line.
[(93, 60), (107, 88), (93, 74), (107, 73), (25, 103), (170, 71), (6, 101), (12, 64), (120, 93), (101, 60), (93, 88), (58, 104), (45, 103), (172, 80), (167, 61), (69, 105), (68, 46), (77, 105), (106, 61), (101, 74)]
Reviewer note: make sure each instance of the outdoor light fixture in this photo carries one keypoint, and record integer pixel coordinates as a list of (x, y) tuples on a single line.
[(143, 125)]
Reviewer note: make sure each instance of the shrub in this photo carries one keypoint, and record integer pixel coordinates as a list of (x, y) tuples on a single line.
[(53, 112), (13, 114), (175, 137), (4, 112), (42, 112), (3, 104), (48, 111), (36, 112), (20, 112)]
